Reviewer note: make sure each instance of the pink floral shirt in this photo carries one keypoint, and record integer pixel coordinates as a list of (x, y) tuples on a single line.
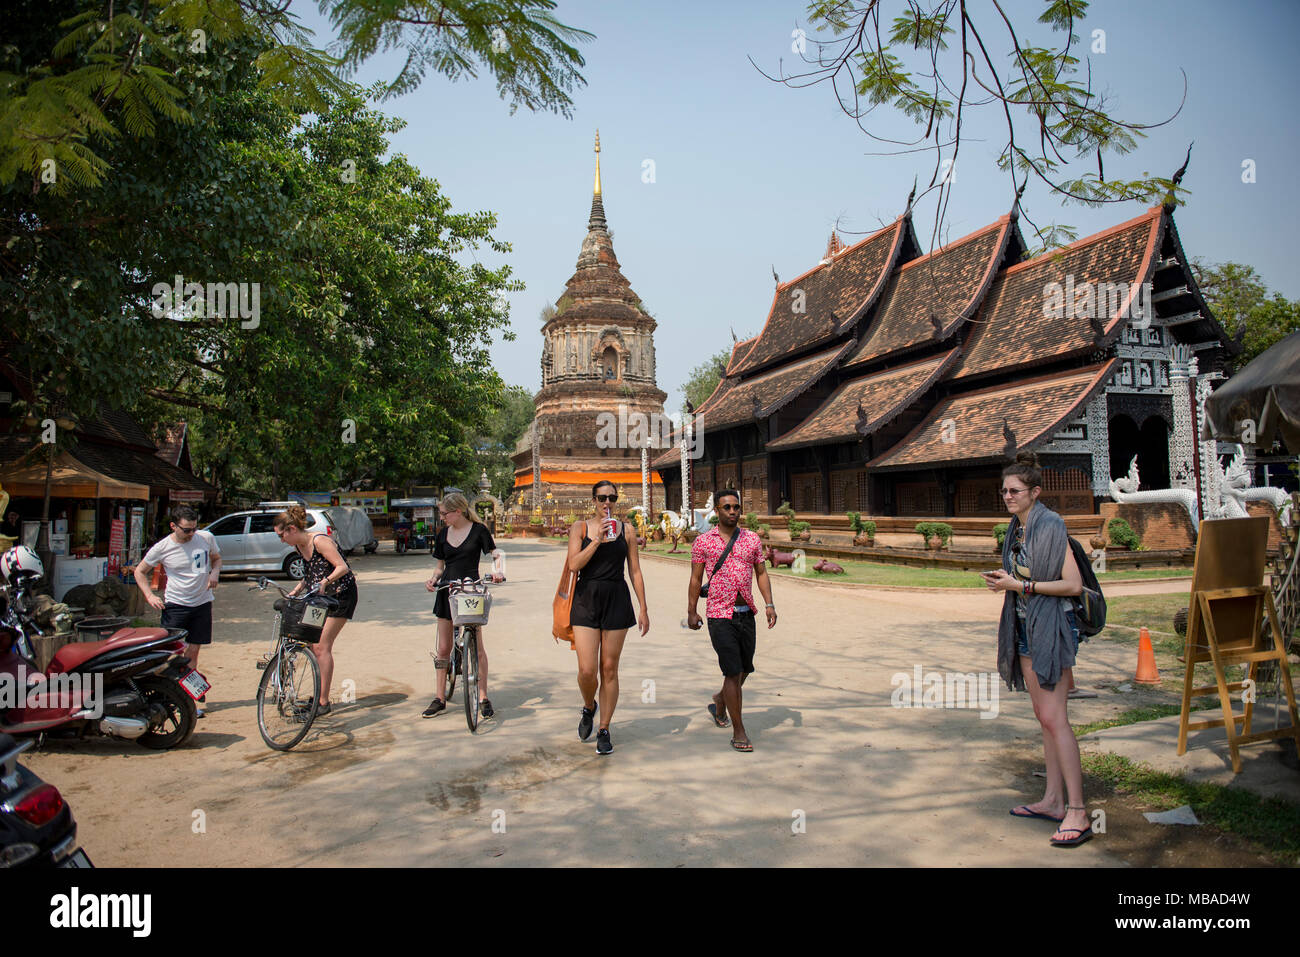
[(733, 578)]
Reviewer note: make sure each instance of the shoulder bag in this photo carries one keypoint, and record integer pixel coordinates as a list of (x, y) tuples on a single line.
[(704, 589)]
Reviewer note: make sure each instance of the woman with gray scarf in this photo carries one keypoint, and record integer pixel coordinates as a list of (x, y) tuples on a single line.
[(1038, 637)]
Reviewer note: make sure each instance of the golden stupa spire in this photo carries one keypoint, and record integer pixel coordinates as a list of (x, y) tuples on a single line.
[(597, 190)]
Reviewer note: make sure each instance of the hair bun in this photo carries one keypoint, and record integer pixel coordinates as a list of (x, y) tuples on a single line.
[(1027, 458)]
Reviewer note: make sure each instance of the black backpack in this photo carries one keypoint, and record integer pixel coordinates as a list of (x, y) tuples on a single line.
[(1090, 604)]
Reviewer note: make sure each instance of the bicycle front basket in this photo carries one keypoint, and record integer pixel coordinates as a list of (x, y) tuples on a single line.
[(470, 608), (301, 620)]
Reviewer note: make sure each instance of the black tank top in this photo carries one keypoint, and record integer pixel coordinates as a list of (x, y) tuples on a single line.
[(319, 568), (607, 564)]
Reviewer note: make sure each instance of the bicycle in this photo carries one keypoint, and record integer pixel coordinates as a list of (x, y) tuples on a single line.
[(288, 695), (470, 603)]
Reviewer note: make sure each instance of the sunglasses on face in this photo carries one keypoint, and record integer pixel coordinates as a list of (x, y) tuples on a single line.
[(1012, 491), (728, 508), (185, 530), (607, 498)]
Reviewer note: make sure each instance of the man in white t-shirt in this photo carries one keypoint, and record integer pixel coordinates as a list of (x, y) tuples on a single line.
[(192, 562)]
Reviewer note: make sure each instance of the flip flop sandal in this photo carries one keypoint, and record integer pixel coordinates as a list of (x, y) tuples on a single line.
[(1038, 814), (741, 746), (720, 722), (1080, 836)]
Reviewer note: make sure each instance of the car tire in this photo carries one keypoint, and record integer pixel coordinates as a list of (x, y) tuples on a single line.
[(295, 566)]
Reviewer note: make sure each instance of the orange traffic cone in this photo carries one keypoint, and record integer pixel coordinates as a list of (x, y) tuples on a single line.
[(1146, 673)]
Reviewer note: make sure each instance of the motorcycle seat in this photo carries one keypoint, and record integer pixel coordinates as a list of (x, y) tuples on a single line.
[(70, 657)]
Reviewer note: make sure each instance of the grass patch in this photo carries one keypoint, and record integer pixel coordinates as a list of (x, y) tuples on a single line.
[(1271, 825), (879, 573), (1135, 715)]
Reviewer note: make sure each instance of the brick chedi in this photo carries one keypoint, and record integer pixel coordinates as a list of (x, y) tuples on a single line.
[(598, 356)]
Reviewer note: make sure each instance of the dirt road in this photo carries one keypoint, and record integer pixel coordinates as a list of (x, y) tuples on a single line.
[(838, 776)]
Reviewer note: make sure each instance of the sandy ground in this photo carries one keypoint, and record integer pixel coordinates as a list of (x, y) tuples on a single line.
[(838, 776)]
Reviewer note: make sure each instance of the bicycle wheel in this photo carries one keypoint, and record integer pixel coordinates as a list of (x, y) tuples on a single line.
[(288, 696), (471, 678), (449, 682)]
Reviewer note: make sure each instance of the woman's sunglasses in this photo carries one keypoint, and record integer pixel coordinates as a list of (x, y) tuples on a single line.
[(607, 498)]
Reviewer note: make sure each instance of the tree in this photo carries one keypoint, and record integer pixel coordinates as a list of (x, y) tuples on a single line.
[(507, 427), (368, 353), (90, 72), (1053, 117), (704, 378), (1239, 299)]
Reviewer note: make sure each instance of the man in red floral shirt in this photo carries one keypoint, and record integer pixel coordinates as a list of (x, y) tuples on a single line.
[(730, 607)]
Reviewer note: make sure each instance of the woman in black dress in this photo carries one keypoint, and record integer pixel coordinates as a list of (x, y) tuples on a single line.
[(457, 549), (327, 568), (602, 609)]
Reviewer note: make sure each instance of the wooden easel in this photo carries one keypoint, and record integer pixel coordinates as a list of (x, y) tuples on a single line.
[(1228, 602)]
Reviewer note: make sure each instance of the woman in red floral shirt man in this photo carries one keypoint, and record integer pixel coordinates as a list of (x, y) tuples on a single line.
[(730, 608)]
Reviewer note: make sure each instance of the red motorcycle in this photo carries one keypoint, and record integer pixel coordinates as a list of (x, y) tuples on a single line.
[(136, 684)]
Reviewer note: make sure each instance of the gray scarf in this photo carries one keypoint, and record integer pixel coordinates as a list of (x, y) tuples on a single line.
[(1051, 646)]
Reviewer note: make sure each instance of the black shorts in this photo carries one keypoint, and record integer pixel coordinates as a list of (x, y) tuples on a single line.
[(734, 639), (606, 605), (197, 621), (347, 604)]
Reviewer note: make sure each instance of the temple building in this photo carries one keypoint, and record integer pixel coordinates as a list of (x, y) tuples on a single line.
[(890, 381), (598, 397)]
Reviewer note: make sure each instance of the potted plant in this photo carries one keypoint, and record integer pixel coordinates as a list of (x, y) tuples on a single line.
[(764, 531), (751, 521), (937, 535), (864, 533), (800, 531)]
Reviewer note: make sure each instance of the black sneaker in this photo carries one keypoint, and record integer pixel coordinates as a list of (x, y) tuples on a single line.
[(434, 707), (603, 744), (485, 708), (585, 722)]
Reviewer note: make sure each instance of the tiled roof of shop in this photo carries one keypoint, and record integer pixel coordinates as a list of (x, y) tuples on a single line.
[(991, 425), (929, 298), (1011, 329), (871, 401), (825, 301), (129, 465)]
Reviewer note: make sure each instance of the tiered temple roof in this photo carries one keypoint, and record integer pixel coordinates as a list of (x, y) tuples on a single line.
[(944, 340)]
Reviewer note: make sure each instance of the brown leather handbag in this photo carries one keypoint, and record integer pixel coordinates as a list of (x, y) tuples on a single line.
[(562, 607)]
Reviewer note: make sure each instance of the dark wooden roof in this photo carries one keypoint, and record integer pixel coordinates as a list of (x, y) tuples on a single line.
[(835, 295), (1011, 331), (946, 287), (736, 401), (1032, 410), (738, 352), (880, 397)]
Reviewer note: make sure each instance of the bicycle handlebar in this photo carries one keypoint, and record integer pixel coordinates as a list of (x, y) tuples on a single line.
[(463, 583), (313, 592)]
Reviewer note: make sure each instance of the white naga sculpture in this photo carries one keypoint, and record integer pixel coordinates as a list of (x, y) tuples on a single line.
[(1234, 488), (702, 515), (1125, 489), (1237, 491)]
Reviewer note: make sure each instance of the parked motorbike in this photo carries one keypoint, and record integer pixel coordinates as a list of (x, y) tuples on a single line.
[(137, 684), (36, 825)]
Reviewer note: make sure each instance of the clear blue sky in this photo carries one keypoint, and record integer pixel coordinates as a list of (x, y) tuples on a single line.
[(750, 175)]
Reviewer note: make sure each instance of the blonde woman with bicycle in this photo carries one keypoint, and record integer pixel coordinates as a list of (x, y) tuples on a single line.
[(457, 548)]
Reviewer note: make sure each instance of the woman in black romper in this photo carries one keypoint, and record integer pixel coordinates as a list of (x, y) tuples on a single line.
[(457, 548), (327, 568), (602, 609)]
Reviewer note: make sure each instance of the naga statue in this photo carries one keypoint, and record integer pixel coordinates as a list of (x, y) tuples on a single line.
[(1126, 489)]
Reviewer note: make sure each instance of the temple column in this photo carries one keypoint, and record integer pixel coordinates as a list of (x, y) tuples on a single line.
[(1099, 443)]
